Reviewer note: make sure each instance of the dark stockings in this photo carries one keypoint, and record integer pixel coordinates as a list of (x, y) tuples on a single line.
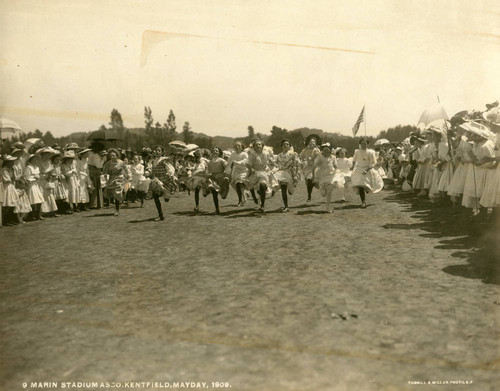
[(262, 194), (362, 194), (284, 195), (215, 196), (37, 211), (239, 192), (197, 196), (310, 187), (156, 198), (254, 197)]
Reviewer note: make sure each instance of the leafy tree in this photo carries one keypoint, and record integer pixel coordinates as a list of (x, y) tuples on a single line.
[(187, 135), (296, 140), (397, 133), (148, 118), (37, 134), (48, 138), (203, 142), (277, 135), (170, 126), (251, 132), (116, 122)]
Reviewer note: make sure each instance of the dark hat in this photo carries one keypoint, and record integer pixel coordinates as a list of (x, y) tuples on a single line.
[(489, 106), (18, 145)]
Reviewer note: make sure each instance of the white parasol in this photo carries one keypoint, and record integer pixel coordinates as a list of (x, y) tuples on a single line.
[(191, 147), (9, 128), (382, 141), (177, 144), (432, 114)]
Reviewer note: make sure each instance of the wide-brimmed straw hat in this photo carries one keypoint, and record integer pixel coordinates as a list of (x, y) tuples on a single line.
[(9, 158), (46, 150), (85, 150), (492, 118), (71, 146), (69, 155), (18, 145), (437, 129), (477, 129)]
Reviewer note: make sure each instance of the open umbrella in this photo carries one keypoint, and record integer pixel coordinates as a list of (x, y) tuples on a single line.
[(103, 135), (382, 141), (432, 114), (191, 147), (9, 128), (177, 144), (439, 123)]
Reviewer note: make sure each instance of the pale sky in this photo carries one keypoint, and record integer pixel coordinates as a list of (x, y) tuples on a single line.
[(64, 65)]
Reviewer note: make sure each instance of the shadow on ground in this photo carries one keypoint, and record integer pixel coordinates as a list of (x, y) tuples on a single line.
[(474, 238)]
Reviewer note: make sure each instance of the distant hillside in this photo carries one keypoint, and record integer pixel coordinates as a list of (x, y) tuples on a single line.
[(306, 131), (223, 142), (136, 138)]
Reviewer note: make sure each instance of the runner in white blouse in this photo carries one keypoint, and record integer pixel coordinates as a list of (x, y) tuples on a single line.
[(364, 177)]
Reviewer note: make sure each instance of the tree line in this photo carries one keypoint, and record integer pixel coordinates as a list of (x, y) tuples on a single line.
[(155, 133)]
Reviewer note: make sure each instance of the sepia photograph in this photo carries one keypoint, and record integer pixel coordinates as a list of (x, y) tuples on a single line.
[(249, 195)]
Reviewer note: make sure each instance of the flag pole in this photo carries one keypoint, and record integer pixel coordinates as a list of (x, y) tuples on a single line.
[(365, 120)]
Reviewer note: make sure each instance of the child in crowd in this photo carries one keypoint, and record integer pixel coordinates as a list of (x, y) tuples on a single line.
[(35, 195), (59, 190), (345, 166), (10, 195), (139, 183)]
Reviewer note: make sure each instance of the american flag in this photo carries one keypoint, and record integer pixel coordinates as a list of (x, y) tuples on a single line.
[(361, 118)]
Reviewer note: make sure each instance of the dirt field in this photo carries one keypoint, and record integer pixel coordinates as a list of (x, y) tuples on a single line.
[(385, 298)]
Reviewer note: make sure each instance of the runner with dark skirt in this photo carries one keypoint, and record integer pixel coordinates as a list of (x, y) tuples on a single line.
[(162, 179), (218, 181)]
